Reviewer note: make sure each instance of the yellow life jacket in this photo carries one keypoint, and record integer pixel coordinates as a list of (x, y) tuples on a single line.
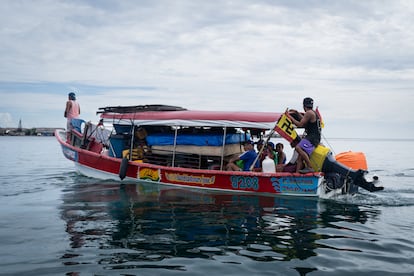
[(318, 157)]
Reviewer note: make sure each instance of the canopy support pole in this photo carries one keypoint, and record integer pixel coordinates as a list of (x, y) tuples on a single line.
[(132, 141), (222, 148), (175, 146)]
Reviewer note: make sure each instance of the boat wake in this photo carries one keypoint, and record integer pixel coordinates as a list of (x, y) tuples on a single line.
[(409, 172), (389, 198), (406, 173)]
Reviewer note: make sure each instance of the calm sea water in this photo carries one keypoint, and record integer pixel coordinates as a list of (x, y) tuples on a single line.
[(55, 222)]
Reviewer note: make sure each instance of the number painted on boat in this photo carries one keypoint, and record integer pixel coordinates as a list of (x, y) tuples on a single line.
[(243, 182)]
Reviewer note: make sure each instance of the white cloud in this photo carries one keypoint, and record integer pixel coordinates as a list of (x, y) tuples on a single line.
[(5, 119), (353, 57)]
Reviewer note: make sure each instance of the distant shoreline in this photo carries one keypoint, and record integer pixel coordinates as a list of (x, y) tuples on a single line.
[(40, 131)]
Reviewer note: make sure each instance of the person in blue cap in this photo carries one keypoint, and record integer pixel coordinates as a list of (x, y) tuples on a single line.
[(248, 157), (72, 111)]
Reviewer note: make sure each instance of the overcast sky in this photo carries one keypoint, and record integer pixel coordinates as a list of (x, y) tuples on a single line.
[(354, 58)]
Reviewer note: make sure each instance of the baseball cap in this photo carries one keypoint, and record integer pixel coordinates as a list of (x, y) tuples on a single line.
[(250, 142)]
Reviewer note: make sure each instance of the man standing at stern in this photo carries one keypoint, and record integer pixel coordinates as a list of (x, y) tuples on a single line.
[(312, 135)]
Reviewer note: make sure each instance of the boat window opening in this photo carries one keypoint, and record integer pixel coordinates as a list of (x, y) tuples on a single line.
[(181, 159), (178, 146)]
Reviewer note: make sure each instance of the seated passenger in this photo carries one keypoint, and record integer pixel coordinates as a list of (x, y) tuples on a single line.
[(272, 153), (290, 166), (248, 157), (265, 150), (281, 156)]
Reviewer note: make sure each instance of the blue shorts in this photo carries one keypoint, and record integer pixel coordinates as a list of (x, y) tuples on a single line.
[(306, 146)]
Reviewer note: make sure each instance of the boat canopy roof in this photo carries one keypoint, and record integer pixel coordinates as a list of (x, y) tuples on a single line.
[(176, 116)]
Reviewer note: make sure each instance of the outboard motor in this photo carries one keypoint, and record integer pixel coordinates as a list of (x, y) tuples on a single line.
[(330, 165), (322, 160)]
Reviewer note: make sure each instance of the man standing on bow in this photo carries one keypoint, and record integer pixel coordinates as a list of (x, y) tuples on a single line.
[(312, 135), (72, 111)]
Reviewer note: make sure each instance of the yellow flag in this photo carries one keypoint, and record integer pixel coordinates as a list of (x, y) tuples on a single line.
[(285, 128)]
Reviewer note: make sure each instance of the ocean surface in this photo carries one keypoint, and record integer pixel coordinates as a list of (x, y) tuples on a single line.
[(56, 222)]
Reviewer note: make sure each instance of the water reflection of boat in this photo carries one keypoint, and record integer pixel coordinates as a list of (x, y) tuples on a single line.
[(147, 222)]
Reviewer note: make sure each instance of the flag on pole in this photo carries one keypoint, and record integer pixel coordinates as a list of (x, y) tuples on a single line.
[(286, 129), (320, 117)]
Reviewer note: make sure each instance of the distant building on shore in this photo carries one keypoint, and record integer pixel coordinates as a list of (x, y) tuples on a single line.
[(20, 131), (20, 128), (41, 131)]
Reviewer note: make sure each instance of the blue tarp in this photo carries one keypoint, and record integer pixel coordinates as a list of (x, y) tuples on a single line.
[(194, 139)]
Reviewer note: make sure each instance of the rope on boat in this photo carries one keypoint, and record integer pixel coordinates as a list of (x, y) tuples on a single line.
[(327, 142)]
